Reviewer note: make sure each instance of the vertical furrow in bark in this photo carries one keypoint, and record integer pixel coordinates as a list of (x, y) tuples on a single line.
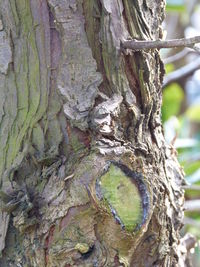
[(27, 79), (26, 124)]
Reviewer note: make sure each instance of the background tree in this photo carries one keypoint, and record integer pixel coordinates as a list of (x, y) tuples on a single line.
[(86, 176), (180, 109)]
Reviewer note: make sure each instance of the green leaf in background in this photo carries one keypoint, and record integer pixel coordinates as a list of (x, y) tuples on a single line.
[(186, 155), (175, 5), (193, 215), (191, 167), (194, 177), (192, 194), (173, 96), (169, 68), (193, 113)]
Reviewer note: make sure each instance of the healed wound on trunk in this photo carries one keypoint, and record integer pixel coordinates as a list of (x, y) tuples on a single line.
[(125, 195)]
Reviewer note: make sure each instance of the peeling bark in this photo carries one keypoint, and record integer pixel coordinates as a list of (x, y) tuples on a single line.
[(73, 102)]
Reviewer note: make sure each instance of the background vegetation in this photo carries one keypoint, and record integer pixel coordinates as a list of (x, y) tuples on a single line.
[(181, 107)]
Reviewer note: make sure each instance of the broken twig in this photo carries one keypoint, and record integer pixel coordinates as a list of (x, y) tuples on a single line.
[(178, 56), (182, 72)]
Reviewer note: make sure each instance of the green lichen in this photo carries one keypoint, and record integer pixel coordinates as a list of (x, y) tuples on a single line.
[(27, 82), (27, 86), (123, 197)]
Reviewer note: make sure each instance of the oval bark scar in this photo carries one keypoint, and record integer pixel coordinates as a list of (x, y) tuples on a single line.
[(126, 195)]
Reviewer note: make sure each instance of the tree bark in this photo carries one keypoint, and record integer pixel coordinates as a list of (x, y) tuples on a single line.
[(86, 176)]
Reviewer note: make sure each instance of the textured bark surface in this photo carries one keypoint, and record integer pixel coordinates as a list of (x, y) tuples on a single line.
[(73, 103)]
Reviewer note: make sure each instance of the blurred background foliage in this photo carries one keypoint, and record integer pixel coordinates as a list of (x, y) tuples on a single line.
[(181, 106)]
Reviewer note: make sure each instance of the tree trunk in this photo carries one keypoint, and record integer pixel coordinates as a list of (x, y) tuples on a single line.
[(86, 176)]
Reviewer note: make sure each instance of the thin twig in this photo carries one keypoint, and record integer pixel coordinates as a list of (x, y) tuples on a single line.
[(192, 205), (177, 56), (181, 72), (191, 221), (192, 187), (143, 44)]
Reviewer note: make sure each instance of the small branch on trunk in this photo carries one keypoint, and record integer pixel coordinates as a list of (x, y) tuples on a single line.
[(143, 44), (192, 205), (192, 187)]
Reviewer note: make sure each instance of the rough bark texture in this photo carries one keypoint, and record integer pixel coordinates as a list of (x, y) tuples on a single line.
[(73, 104)]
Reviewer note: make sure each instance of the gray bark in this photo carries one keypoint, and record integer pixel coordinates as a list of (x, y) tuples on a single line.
[(76, 108)]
